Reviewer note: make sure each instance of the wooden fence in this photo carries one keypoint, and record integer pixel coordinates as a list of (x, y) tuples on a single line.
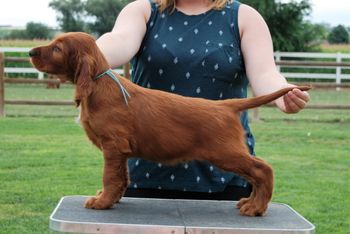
[(20, 70), (338, 65), (40, 80)]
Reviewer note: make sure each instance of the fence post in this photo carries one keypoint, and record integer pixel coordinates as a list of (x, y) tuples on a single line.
[(278, 59), (255, 117), (40, 75), (2, 86), (338, 71), (126, 68)]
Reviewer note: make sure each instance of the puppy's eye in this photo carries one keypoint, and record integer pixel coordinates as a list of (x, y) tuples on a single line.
[(56, 49)]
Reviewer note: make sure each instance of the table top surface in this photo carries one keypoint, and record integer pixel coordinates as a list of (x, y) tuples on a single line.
[(144, 215)]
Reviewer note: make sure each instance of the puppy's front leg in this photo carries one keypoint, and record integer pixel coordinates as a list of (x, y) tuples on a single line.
[(115, 181)]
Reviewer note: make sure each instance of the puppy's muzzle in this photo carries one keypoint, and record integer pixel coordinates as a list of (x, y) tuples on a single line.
[(34, 53)]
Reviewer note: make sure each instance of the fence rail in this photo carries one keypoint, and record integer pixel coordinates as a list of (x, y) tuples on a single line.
[(337, 61), (282, 60), (31, 81), (19, 70), (293, 63), (39, 103)]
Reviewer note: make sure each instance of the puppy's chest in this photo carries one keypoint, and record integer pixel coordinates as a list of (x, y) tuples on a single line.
[(89, 121), (97, 123)]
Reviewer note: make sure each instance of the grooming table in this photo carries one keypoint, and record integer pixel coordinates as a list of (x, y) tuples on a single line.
[(162, 216)]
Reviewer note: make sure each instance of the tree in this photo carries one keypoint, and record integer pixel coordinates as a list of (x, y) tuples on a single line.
[(338, 35), (93, 16), (16, 34), (38, 31), (103, 13), (32, 31), (71, 14), (286, 21), (314, 35)]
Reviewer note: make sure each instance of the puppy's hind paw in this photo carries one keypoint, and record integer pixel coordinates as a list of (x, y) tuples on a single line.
[(98, 193), (250, 209), (242, 202)]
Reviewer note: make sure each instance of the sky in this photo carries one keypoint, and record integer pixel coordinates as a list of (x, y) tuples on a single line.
[(19, 12)]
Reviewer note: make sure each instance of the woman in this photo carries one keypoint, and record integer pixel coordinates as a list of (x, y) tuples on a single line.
[(198, 48)]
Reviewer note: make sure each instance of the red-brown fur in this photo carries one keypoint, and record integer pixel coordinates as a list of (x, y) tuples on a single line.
[(155, 125)]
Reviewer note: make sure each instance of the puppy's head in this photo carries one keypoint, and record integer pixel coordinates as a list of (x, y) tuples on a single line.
[(73, 56)]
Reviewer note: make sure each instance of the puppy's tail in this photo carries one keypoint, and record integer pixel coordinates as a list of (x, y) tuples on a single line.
[(248, 103)]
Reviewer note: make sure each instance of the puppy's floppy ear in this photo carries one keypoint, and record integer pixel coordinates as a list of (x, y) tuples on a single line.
[(84, 78)]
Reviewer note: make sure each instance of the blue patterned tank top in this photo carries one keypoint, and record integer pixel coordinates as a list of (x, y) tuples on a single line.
[(196, 56)]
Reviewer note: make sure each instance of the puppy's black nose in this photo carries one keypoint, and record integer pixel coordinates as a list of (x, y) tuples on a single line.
[(33, 53)]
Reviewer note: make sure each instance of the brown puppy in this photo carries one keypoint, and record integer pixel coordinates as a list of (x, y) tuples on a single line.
[(152, 124)]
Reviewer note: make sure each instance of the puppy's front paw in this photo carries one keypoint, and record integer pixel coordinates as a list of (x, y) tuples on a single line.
[(97, 203)]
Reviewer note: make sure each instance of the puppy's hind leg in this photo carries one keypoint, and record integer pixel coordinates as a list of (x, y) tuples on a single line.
[(258, 173), (262, 188)]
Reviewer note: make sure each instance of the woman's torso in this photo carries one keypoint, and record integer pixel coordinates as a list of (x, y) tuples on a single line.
[(195, 56)]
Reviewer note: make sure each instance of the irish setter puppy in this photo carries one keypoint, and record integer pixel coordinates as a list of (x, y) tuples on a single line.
[(125, 120)]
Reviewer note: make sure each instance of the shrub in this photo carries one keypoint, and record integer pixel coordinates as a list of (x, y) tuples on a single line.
[(338, 35)]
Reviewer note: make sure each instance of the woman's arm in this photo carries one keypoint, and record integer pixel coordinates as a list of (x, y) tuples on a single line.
[(257, 49), (123, 42)]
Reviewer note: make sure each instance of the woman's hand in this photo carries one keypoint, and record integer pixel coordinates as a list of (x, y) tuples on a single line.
[(293, 102)]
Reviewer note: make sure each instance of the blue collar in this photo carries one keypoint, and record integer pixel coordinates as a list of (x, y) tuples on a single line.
[(110, 73)]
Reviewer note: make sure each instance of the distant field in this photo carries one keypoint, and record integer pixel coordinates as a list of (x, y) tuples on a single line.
[(344, 48), (22, 43)]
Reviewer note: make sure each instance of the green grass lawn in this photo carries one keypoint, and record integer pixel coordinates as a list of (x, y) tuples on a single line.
[(44, 157), (39, 92)]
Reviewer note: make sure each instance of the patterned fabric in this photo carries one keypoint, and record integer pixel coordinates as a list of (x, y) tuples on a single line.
[(196, 56)]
